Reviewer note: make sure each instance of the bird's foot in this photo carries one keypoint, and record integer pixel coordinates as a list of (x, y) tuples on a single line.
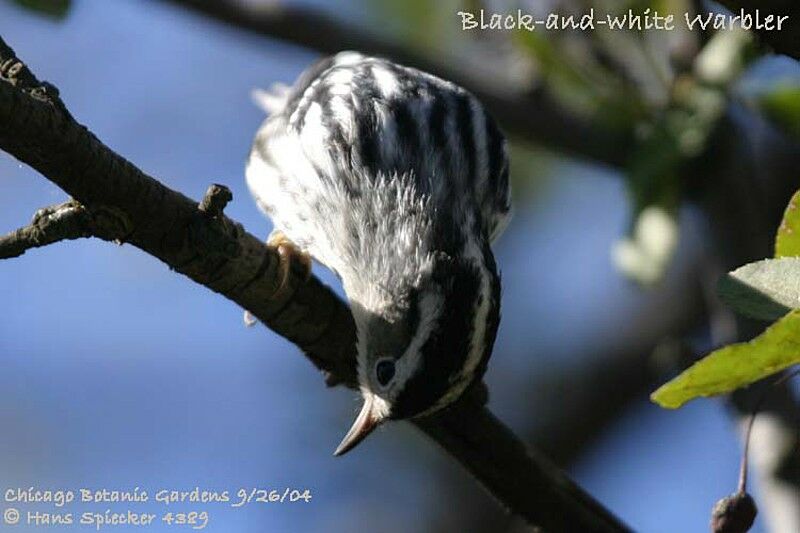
[(288, 252)]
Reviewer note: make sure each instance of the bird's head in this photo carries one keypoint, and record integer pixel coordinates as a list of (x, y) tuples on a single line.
[(424, 345)]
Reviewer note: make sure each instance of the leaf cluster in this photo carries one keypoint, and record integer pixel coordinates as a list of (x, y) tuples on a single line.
[(765, 290)]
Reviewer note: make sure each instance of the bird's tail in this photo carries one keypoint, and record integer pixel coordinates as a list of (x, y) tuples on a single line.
[(271, 100)]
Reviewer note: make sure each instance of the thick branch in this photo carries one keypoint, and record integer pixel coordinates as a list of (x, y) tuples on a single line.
[(528, 112), (216, 252)]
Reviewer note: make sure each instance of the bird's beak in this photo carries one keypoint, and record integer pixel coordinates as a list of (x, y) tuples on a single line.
[(366, 421)]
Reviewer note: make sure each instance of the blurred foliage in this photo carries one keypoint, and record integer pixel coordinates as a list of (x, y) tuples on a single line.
[(583, 87), (530, 168), (645, 254), (56, 9), (422, 24), (662, 85), (678, 133), (781, 104), (763, 290)]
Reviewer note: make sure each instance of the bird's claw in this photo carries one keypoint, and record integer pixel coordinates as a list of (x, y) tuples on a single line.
[(287, 253)]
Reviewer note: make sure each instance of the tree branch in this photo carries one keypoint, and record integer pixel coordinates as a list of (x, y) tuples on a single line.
[(217, 252), (50, 224)]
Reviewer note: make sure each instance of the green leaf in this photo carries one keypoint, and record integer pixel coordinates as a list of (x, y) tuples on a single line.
[(765, 290), (787, 242), (57, 9), (736, 365)]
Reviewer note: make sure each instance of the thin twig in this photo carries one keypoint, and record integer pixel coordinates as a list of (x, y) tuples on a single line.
[(65, 221), (748, 431)]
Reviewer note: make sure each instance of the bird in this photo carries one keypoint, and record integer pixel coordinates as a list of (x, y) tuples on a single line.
[(397, 181)]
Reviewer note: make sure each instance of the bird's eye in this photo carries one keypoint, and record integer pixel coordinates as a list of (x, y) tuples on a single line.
[(384, 371)]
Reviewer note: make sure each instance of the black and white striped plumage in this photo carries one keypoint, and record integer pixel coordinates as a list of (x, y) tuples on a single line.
[(397, 181)]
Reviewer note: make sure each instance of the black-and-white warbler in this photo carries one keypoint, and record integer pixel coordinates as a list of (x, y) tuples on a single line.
[(398, 182)]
